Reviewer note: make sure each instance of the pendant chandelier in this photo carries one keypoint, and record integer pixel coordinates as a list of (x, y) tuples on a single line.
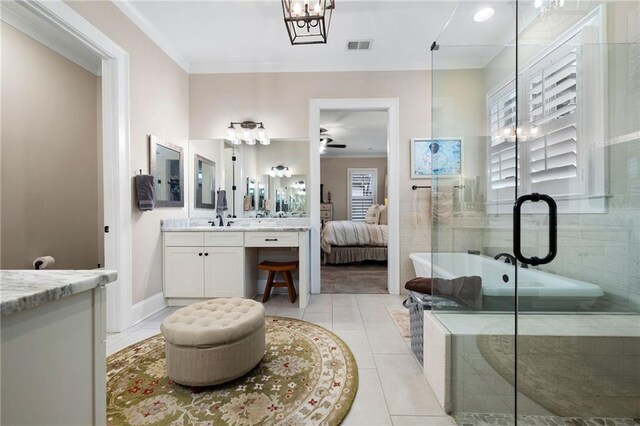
[(308, 21), (247, 133)]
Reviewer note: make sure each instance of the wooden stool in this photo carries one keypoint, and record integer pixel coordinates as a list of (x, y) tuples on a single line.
[(273, 268)]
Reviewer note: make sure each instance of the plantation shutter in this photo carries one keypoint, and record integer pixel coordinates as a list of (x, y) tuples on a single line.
[(552, 94), (362, 192), (502, 117)]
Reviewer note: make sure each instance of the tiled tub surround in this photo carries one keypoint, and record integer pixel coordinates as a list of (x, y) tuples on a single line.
[(568, 365), (23, 289), (52, 349)]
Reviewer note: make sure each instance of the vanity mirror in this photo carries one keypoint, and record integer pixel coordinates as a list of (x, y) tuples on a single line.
[(205, 183), (289, 195), (166, 165)]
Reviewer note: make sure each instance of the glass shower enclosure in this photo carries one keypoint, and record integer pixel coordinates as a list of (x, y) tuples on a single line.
[(535, 200)]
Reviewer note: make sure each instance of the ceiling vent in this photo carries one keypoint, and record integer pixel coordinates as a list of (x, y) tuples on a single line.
[(359, 44)]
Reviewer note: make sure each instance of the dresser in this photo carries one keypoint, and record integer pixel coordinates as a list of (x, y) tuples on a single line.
[(326, 212)]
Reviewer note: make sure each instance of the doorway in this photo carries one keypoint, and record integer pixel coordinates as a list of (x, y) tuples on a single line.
[(386, 193), (353, 201)]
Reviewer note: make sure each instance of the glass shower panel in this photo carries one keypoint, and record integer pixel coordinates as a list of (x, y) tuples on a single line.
[(473, 156), (579, 143)]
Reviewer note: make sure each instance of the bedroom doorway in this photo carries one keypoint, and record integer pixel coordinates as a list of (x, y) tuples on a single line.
[(356, 271), (353, 201)]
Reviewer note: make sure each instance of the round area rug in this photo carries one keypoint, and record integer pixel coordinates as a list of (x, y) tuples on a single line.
[(308, 376)]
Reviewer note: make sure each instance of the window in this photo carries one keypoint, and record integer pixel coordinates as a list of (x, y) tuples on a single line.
[(362, 191), (560, 98)]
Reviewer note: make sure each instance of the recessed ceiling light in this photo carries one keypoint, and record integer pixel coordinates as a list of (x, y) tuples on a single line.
[(483, 14)]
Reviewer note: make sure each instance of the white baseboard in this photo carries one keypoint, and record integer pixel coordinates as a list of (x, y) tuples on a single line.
[(147, 307)]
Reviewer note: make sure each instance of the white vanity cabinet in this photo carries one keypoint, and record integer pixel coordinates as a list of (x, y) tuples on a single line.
[(204, 265)]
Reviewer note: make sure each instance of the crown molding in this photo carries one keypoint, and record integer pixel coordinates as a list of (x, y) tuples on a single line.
[(130, 12)]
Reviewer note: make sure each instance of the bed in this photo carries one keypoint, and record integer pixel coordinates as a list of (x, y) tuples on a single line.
[(345, 241)]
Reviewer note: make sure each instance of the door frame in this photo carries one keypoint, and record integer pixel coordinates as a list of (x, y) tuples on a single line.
[(115, 149), (392, 107)]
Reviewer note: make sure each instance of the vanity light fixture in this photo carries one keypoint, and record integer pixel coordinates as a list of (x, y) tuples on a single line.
[(249, 134), (280, 171), (483, 14), (308, 21)]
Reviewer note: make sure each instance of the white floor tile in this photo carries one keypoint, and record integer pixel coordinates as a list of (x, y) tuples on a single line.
[(322, 319), (320, 303), (422, 421), (369, 407), (405, 388), (344, 300), (385, 338), (359, 345), (347, 317)]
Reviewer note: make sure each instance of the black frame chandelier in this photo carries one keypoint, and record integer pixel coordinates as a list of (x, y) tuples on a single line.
[(248, 133), (308, 21)]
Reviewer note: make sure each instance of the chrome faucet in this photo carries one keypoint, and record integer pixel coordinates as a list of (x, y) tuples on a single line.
[(509, 258)]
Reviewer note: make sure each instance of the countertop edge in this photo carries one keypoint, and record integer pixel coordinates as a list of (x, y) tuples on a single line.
[(303, 228), (40, 296)]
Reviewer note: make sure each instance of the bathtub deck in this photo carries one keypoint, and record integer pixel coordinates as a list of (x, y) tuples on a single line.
[(541, 324)]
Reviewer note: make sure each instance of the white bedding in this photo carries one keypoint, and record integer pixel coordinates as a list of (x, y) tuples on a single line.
[(348, 233)]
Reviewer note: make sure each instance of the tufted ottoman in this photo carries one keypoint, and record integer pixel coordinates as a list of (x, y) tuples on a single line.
[(215, 341)]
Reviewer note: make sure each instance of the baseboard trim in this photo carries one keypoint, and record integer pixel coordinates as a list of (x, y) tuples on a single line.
[(147, 307)]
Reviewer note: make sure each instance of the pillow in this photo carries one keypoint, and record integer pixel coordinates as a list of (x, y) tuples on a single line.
[(373, 215), (384, 216)]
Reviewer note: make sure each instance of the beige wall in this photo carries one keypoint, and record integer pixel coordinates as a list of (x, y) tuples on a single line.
[(281, 101), (158, 105), (333, 174), (50, 195)]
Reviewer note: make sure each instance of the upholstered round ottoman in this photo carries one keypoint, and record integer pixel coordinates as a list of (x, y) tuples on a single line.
[(215, 341)]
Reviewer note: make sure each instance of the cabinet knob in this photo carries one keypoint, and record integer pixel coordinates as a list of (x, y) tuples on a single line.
[(206, 254), (199, 254)]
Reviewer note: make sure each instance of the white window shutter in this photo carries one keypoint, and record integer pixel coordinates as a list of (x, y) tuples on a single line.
[(362, 190), (502, 118)]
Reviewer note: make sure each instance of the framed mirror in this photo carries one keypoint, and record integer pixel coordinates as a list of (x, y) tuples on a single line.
[(205, 183), (167, 167)]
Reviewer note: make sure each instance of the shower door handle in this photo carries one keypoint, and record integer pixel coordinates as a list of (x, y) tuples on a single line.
[(553, 229)]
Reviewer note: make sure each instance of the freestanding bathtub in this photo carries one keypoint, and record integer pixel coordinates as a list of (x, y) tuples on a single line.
[(537, 290)]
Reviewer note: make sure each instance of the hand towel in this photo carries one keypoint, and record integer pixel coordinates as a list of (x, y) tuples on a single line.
[(267, 205), (442, 207), (246, 203), (145, 192), (421, 206), (221, 207)]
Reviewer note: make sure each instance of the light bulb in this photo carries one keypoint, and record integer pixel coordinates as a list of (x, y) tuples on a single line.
[(247, 137), (323, 149), (317, 8), (231, 135), (287, 172), (483, 14), (297, 8)]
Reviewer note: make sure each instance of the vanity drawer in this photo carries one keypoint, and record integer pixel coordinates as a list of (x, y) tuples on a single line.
[(223, 239), (183, 239), (271, 239)]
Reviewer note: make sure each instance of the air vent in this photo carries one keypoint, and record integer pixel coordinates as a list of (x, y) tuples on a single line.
[(359, 44)]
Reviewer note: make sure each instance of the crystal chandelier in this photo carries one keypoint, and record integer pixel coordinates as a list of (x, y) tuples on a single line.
[(247, 133), (308, 21), (545, 6)]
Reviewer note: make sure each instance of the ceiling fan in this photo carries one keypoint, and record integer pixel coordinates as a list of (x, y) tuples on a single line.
[(327, 142)]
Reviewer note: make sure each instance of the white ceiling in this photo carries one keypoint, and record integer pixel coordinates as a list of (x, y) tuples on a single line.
[(231, 36), (364, 132)]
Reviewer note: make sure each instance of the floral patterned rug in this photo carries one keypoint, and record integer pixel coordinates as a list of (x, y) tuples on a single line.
[(308, 376)]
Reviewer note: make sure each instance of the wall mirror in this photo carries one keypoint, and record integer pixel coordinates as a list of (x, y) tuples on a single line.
[(205, 183), (167, 167), (289, 195)]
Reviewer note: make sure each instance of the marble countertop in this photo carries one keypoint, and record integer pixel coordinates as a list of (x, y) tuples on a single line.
[(23, 289), (239, 225)]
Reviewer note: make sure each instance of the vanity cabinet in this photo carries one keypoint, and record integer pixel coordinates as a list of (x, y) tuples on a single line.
[(204, 265)]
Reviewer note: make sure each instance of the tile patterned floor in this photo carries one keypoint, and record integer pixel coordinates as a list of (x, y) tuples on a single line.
[(392, 389)]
